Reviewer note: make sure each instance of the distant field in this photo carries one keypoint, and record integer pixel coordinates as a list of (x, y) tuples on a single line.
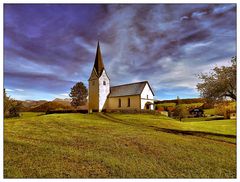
[(210, 111), (117, 146), (215, 126)]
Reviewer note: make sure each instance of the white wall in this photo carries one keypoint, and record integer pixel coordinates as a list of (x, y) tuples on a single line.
[(146, 96), (103, 90)]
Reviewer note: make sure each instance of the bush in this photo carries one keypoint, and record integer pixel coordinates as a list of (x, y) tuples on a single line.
[(180, 112), (11, 107), (224, 109)]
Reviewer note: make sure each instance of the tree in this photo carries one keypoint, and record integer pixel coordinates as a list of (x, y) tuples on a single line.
[(14, 110), (78, 94), (180, 111), (11, 107), (6, 100), (225, 108), (219, 84)]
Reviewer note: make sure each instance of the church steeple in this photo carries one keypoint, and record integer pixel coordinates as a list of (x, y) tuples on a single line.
[(99, 84), (98, 64)]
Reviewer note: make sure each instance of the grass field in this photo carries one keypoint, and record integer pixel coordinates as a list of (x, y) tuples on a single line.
[(117, 146), (197, 124)]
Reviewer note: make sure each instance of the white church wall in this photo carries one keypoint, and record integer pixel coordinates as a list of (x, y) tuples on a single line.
[(146, 96), (103, 90)]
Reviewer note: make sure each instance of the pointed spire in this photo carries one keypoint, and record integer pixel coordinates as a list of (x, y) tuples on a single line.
[(98, 65)]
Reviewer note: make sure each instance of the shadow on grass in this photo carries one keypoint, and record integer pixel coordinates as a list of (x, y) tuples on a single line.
[(202, 134)]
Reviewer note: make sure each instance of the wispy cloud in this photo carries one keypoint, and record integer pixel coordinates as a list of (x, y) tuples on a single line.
[(65, 94), (18, 89), (9, 90), (48, 48)]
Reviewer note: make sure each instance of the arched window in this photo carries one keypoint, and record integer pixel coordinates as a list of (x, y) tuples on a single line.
[(119, 103), (104, 82), (128, 102), (147, 96)]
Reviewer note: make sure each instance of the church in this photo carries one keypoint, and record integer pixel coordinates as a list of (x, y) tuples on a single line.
[(102, 96)]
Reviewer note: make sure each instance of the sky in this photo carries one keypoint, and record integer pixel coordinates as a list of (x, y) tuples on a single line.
[(48, 48)]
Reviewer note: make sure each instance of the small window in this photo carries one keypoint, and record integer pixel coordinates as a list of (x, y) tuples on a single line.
[(119, 103), (104, 82), (128, 102), (93, 82), (147, 96)]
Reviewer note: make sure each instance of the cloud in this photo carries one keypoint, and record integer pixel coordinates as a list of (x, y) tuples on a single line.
[(223, 8), (198, 14), (48, 48), (9, 90), (184, 18), (65, 94), (40, 82), (18, 89), (83, 43)]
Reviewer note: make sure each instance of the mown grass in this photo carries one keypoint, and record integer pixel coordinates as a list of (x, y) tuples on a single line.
[(210, 111), (190, 124), (89, 146), (30, 114)]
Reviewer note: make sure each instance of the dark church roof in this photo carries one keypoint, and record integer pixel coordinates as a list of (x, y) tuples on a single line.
[(98, 64), (128, 89)]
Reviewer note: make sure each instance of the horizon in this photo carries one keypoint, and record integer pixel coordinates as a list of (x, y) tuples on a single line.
[(50, 47), (71, 98)]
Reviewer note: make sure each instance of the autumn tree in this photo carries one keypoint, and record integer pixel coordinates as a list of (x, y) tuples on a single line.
[(6, 101), (180, 111), (78, 94), (220, 83), (11, 107)]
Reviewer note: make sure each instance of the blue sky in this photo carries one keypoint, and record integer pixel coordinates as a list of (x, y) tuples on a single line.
[(48, 48)]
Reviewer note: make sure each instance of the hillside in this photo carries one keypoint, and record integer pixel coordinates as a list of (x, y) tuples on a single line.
[(66, 101), (117, 146), (53, 105), (33, 103), (39, 105)]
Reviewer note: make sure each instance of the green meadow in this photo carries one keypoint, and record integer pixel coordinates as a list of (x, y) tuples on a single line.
[(118, 146)]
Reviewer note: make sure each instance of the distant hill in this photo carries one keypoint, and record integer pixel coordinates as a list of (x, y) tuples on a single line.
[(43, 105), (66, 101), (32, 103), (29, 104), (183, 101), (53, 105)]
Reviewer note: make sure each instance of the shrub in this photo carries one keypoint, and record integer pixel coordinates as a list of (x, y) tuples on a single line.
[(224, 109), (11, 107)]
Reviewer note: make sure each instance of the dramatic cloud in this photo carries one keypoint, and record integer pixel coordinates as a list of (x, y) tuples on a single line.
[(48, 48)]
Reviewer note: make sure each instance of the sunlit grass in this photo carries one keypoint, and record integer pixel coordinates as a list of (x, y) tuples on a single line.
[(88, 146), (215, 126)]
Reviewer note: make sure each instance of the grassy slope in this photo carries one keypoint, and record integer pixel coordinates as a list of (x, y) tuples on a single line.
[(217, 126), (77, 145)]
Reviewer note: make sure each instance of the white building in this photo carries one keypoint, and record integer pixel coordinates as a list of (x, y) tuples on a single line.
[(128, 96)]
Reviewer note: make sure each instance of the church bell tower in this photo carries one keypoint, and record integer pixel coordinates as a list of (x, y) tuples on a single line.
[(98, 84)]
